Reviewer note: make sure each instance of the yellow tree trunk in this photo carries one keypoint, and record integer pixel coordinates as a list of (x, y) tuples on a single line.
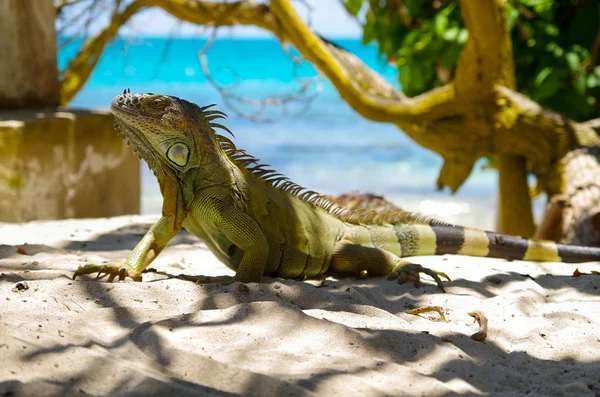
[(487, 61)]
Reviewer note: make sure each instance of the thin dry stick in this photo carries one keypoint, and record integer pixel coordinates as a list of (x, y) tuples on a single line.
[(438, 309), (231, 99), (482, 320)]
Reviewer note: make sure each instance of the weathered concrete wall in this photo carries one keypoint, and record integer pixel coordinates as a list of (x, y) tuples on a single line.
[(64, 164), (28, 70)]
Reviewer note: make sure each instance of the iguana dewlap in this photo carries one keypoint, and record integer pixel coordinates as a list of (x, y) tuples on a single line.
[(258, 222)]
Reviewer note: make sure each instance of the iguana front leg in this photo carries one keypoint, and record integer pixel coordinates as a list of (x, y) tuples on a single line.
[(153, 242), (216, 208)]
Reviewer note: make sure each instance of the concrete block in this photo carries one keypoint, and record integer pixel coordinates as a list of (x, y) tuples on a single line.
[(57, 164)]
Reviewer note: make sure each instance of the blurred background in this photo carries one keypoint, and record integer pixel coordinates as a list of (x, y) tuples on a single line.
[(287, 115), (483, 111)]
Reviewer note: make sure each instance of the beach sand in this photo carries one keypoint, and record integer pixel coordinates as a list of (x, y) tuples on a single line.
[(165, 335)]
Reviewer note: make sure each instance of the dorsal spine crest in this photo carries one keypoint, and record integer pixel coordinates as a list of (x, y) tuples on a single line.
[(357, 216)]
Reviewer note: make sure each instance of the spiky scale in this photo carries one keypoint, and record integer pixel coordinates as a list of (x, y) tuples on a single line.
[(217, 125), (203, 108), (211, 112)]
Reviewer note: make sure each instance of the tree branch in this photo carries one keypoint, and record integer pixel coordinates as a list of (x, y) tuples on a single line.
[(594, 124), (381, 105), (79, 68), (198, 12), (476, 115), (487, 60)]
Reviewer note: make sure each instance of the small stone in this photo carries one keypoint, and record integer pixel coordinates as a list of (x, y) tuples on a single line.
[(20, 286)]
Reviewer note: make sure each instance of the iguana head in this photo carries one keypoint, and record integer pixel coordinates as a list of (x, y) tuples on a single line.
[(169, 133)]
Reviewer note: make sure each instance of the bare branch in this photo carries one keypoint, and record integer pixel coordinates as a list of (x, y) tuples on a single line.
[(198, 12), (65, 4), (80, 67), (231, 99)]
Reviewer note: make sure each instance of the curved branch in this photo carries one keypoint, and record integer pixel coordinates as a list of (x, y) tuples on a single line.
[(80, 68), (374, 106), (231, 99)]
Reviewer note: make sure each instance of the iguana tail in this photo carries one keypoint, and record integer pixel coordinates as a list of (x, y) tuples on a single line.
[(439, 240)]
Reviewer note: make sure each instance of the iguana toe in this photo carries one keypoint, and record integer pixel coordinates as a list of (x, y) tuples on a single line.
[(406, 271), (121, 270)]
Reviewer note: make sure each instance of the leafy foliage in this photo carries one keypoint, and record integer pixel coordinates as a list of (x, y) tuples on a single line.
[(556, 46)]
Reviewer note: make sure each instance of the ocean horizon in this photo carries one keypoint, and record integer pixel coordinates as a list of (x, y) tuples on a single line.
[(323, 145)]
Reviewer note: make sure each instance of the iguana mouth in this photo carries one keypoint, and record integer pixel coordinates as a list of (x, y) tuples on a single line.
[(125, 137), (140, 146)]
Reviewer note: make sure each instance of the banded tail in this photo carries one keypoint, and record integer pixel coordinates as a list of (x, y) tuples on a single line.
[(475, 242)]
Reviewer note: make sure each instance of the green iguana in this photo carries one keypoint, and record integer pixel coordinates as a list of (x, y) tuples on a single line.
[(258, 222)]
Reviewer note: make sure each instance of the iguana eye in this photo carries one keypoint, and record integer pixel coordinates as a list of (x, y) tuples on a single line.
[(179, 154), (157, 103)]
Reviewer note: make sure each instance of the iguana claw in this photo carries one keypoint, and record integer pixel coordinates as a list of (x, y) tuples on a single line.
[(406, 271), (122, 270)]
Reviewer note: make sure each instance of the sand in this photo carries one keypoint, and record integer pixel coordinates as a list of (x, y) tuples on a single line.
[(348, 336)]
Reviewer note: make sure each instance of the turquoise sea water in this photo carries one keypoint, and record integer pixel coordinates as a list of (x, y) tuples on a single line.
[(326, 146)]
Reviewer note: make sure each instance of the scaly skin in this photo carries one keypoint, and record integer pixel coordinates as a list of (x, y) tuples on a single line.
[(257, 222)]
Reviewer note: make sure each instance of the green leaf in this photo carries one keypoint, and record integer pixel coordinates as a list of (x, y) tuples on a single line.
[(542, 76), (353, 6), (539, 5), (451, 34), (441, 23), (593, 81), (368, 33), (573, 61), (512, 14), (579, 86), (551, 29), (547, 82)]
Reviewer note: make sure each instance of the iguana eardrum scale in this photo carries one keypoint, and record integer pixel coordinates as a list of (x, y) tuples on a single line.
[(258, 222)]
